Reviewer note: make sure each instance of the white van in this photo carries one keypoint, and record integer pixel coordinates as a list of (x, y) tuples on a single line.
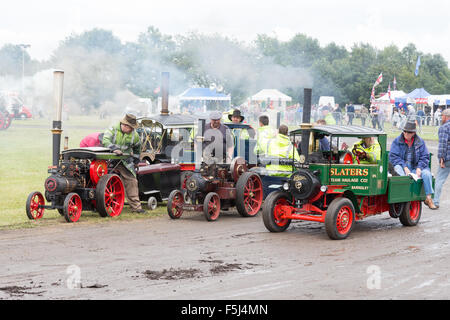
[(325, 100)]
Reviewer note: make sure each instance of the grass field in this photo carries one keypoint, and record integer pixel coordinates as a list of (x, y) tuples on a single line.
[(26, 154)]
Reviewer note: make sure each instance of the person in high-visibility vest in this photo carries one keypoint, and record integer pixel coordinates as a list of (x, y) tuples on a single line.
[(264, 134), (281, 147), (368, 151)]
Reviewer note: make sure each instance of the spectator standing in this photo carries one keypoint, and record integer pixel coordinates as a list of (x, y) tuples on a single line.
[(443, 155), (395, 118), (419, 118), (374, 115), (437, 116), (350, 113), (364, 115), (337, 114)]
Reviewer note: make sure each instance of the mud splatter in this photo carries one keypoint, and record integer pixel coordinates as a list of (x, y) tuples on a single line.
[(16, 291), (227, 267), (172, 274)]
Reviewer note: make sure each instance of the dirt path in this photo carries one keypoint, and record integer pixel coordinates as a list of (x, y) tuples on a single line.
[(232, 258)]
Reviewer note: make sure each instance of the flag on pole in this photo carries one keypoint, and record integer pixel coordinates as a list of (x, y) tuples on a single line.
[(395, 84), (389, 91), (417, 66), (379, 79)]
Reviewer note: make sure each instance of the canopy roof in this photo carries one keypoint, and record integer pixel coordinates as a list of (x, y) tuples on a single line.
[(272, 94), (203, 94), (335, 130), (418, 93), (170, 121), (440, 100)]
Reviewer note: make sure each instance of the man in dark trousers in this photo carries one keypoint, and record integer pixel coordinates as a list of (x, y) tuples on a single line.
[(443, 155), (350, 113)]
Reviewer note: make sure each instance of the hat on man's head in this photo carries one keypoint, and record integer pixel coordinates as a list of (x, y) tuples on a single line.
[(130, 120), (216, 115), (410, 126), (236, 113)]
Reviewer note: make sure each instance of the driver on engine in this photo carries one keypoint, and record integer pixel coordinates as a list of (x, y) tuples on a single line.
[(366, 151)]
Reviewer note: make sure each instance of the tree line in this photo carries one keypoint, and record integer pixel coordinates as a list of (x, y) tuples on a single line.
[(97, 65)]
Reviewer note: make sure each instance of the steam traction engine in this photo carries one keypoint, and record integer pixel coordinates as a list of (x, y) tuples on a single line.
[(213, 187), (81, 180)]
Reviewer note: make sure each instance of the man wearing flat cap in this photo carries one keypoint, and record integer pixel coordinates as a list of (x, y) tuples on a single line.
[(409, 154), (122, 138), (218, 141)]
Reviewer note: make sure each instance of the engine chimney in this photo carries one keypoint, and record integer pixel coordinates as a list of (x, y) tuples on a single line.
[(58, 80), (165, 93), (307, 93)]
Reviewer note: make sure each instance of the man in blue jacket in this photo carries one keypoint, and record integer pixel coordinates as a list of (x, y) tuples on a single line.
[(409, 154), (443, 155)]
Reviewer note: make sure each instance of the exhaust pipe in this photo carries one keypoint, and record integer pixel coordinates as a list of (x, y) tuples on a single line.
[(307, 93), (58, 80), (165, 93)]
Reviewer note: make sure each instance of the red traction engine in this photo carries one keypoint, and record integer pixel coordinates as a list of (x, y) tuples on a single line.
[(81, 181), (216, 187)]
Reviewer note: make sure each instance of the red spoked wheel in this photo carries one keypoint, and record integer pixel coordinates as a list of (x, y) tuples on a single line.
[(72, 207), (249, 194), (2, 121), (35, 205), (340, 218), (97, 169), (273, 211), (110, 195), (174, 204), (8, 120), (211, 206), (411, 213)]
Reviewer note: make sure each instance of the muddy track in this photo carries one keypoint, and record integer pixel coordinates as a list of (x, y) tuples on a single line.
[(231, 258)]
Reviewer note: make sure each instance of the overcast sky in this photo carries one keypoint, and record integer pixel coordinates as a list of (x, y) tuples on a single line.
[(44, 23)]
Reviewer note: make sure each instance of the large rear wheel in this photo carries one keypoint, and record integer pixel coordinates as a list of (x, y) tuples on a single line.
[(340, 218), (411, 213), (109, 195), (273, 211), (249, 194), (34, 206)]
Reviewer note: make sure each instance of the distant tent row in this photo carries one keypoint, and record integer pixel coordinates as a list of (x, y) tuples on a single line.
[(213, 99)]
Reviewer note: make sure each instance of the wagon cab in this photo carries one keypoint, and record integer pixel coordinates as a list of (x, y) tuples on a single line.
[(330, 185)]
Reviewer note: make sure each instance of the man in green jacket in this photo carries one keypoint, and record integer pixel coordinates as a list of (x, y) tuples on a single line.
[(122, 138)]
